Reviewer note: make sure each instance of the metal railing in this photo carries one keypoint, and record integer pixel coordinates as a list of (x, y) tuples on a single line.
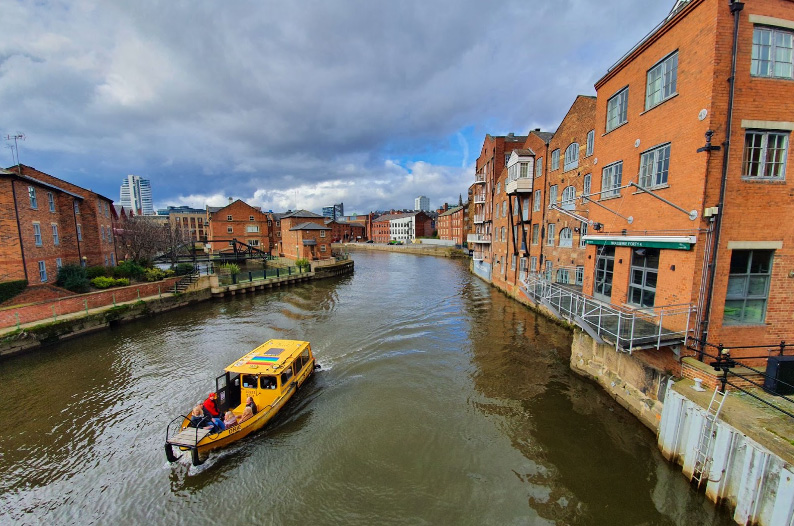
[(479, 178), (725, 363), (256, 275), (624, 327), (478, 238), (479, 218), (479, 197)]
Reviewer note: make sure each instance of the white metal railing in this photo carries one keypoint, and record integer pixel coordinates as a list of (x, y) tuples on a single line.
[(479, 218), (479, 197), (479, 178), (624, 326), (478, 238)]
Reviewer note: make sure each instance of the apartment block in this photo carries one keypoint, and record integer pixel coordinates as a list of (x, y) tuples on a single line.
[(46, 222), (451, 224)]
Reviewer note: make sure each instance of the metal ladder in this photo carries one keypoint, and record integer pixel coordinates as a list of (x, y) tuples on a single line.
[(702, 458)]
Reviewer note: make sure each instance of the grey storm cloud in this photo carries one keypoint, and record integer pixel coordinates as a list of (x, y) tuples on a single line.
[(299, 103)]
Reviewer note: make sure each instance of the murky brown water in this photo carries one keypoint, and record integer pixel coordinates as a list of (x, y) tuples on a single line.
[(441, 401)]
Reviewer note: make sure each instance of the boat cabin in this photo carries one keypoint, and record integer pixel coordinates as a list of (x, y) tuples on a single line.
[(265, 374)]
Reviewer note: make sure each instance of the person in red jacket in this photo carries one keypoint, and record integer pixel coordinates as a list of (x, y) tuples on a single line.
[(211, 412), (210, 409)]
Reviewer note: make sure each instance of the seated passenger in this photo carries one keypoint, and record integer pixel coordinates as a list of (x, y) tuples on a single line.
[(247, 414), (230, 419), (268, 382), (249, 402), (210, 408), (197, 419)]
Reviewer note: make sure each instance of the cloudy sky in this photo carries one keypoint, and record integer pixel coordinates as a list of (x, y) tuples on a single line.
[(299, 103)]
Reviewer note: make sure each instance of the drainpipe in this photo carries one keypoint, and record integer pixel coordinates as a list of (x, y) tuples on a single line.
[(736, 8), (542, 230), (19, 228), (77, 240)]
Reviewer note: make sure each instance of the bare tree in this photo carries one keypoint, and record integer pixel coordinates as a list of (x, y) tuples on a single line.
[(142, 237)]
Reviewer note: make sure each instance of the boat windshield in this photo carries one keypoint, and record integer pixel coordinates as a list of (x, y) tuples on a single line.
[(249, 381), (267, 382)]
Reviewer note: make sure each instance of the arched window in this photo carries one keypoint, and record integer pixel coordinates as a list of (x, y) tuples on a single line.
[(571, 156), (569, 198), (566, 237)]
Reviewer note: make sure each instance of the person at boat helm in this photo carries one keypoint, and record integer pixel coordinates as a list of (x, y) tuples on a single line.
[(210, 408), (249, 402)]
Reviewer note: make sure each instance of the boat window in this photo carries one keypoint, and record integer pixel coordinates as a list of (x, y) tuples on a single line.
[(285, 376), (267, 382), (249, 381)]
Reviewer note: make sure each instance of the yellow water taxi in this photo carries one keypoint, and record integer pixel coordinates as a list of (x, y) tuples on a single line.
[(270, 375)]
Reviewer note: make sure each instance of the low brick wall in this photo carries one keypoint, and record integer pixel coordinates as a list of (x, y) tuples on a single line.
[(693, 368), (47, 310)]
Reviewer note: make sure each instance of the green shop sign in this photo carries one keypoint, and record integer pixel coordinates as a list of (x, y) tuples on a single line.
[(672, 245)]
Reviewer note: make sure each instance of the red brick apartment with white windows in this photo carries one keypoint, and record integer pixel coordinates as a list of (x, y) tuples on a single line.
[(451, 224), (237, 221), (679, 221), (46, 222)]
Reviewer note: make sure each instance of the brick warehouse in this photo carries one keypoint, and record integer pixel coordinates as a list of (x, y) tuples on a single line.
[(304, 235), (237, 220), (643, 141), (47, 222), (653, 112)]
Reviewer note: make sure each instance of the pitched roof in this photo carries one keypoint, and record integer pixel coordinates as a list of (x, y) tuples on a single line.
[(451, 211), (310, 226), (300, 213)]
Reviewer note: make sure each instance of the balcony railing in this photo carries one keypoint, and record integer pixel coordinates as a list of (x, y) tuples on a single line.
[(479, 218), (478, 238), (479, 197), (624, 327), (479, 178)]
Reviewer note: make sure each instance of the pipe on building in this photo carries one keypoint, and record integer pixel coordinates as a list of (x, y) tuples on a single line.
[(736, 8)]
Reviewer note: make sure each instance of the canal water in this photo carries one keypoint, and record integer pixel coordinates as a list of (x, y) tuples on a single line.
[(440, 401)]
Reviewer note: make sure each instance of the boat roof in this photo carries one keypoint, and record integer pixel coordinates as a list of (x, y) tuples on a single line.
[(268, 358)]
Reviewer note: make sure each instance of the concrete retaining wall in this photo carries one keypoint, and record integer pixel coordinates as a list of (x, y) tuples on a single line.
[(758, 484)]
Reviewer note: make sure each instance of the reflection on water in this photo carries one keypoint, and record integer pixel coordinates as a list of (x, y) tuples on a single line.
[(440, 401)]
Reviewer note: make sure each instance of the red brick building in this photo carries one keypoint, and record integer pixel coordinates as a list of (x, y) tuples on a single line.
[(655, 111), (237, 221), (46, 222), (402, 226), (451, 224), (492, 160), (304, 235), (344, 231)]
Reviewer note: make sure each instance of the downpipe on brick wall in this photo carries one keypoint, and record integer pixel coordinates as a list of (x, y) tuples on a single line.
[(736, 8)]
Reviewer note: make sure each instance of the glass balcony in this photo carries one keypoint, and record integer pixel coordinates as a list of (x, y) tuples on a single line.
[(478, 238)]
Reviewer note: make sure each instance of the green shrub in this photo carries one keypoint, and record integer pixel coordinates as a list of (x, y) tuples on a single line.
[(154, 274), (302, 262), (73, 277), (231, 268), (9, 289), (129, 269), (96, 271), (184, 268), (102, 282)]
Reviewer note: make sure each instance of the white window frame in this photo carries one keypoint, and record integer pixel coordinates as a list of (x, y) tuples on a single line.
[(533, 263), (56, 240), (555, 160), (611, 177), (228, 218), (322, 233), (536, 203), (777, 66), (617, 109), (550, 228), (79, 232), (76, 208), (568, 198), (586, 184), (661, 81), (51, 201), (552, 194), (252, 229), (43, 271), (571, 157), (535, 234), (590, 143), (582, 233), (59, 264), (34, 202), (37, 234), (539, 167), (230, 230), (250, 218), (655, 166), (566, 238), (762, 163), (322, 248)]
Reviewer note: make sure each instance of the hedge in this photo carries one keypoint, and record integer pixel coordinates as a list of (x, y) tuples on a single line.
[(9, 289)]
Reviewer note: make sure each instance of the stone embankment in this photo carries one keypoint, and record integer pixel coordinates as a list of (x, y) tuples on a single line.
[(133, 304), (413, 248)]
